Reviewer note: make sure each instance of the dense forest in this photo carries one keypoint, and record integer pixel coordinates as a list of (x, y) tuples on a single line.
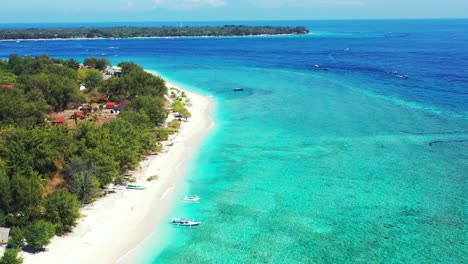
[(49, 170), (132, 32)]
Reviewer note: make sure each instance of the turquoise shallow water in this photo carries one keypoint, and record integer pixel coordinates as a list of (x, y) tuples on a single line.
[(351, 165), (338, 176)]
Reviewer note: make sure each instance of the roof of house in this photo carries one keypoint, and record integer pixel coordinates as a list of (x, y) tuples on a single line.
[(79, 113), (4, 233), (86, 107), (110, 105), (7, 86), (60, 120)]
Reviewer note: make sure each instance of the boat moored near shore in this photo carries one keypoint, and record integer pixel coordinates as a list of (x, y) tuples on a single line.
[(185, 222), (194, 198), (135, 187)]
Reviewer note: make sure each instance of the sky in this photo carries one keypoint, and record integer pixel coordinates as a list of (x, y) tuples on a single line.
[(35, 11)]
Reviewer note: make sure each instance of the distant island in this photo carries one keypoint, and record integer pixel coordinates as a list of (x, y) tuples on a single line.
[(146, 32)]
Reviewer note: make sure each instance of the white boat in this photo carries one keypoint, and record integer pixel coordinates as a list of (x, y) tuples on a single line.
[(135, 187), (184, 222), (194, 198)]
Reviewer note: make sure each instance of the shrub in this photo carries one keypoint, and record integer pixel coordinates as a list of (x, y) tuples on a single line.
[(38, 234), (11, 257), (152, 178), (62, 209), (16, 238)]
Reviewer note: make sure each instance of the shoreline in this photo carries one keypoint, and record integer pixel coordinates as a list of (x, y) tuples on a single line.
[(117, 223), (156, 37)]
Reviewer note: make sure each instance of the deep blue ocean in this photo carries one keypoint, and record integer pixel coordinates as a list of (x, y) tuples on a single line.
[(354, 164)]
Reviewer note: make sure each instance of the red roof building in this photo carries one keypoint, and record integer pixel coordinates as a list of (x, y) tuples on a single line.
[(85, 108), (7, 86), (110, 105), (78, 114), (59, 121)]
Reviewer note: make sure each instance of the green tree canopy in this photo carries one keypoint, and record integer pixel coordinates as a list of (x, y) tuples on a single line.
[(5, 192), (92, 78), (7, 77), (11, 257), (36, 149), (185, 113), (153, 107), (16, 239), (139, 82), (138, 119), (84, 185), (128, 67), (26, 190), (39, 233), (100, 64), (3, 218), (115, 89), (72, 63), (62, 209), (17, 109), (33, 154)]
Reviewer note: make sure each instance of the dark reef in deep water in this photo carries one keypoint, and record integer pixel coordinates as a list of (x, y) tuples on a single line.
[(447, 141)]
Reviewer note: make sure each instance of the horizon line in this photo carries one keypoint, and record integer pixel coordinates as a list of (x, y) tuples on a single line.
[(241, 20)]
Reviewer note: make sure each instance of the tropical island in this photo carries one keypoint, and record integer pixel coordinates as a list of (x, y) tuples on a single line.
[(70, 132), (146, 32)]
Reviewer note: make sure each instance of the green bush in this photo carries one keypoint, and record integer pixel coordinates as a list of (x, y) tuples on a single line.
[(16, 238), (62, 209), (38, 234), (152, 178), (11, 257), (3, 218)]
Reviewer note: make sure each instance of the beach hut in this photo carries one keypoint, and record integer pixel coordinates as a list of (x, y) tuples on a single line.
[(4, 234), (7, 86), (110, 105), (77, 115), (116, 71), (85, 108), (59, 121)]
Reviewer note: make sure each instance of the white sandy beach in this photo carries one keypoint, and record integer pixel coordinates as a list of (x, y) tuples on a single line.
[(117, 223)]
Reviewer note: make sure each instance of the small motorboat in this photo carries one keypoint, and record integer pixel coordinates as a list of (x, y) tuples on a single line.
[(238, 89), (194, 198), (135, 187), (185, 222), (316, 66)]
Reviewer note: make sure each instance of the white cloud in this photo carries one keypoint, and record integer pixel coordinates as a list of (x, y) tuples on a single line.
[(187, 4)]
